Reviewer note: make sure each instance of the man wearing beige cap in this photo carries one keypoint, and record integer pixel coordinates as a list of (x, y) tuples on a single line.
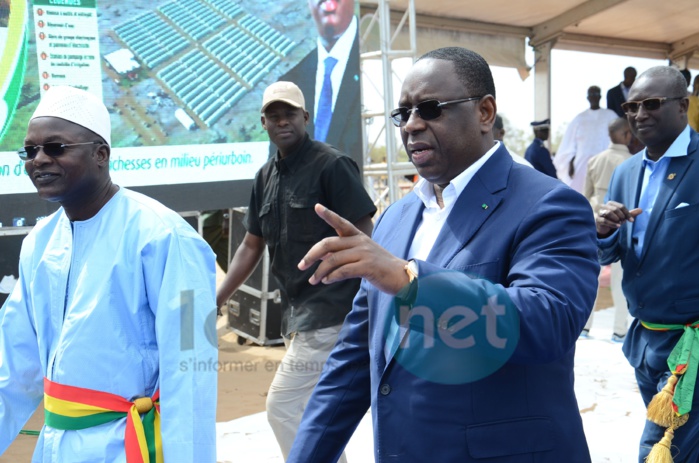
[(110, 319), (302, 173)]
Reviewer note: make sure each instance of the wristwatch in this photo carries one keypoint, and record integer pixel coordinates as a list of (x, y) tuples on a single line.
[(411, 269)]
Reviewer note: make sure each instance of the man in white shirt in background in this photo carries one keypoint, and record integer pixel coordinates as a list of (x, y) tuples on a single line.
[(585, 136)]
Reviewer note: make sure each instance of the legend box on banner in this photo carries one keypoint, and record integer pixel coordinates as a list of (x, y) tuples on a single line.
[(67, 44)]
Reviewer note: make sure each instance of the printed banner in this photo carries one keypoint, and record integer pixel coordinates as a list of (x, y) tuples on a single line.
[(67, 44), (137, 166), (182, 80)]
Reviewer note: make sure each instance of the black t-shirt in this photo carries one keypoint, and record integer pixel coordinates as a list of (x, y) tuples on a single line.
[(282, 212)]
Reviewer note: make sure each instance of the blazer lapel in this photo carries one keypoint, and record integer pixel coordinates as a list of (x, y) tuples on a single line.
[(633, 193), (399, 239), (397, 242), (472, 208), (675, 173)]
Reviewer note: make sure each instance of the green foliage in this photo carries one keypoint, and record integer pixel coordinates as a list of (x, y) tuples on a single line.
[(558, 137), (378, 154), (516, 140)]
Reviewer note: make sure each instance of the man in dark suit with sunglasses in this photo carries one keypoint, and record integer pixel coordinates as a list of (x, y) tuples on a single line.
[(650, 223), (427, 344)]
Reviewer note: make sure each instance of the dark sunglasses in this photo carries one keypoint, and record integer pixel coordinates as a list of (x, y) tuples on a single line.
[(53, 149), (649, 104), (427, 110)]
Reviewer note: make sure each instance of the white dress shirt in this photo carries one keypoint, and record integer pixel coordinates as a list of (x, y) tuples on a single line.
[(341, 52), (434, 217)]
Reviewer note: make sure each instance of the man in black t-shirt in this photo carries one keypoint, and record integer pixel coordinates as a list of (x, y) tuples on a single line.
[(281, 215)]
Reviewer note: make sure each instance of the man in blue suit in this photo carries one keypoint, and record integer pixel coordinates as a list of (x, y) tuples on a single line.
[(537, 154), (650, 223), (492, 227)]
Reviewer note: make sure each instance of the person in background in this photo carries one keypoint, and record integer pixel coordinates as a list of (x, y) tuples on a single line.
[(601, 166), (617, 95), (635, 146), (687, 74), (649, 223), (599, 172), (586, 135), (537, 153), (499, 135), (479, 223), (280, 216), (693, 110), (112, 321)]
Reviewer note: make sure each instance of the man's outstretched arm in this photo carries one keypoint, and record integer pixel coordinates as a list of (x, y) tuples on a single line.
[(244, 262)]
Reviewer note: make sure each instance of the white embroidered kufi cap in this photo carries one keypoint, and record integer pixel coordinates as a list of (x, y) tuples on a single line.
[(76, 106)]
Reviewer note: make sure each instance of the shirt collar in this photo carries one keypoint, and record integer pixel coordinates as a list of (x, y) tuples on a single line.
[(676, 150), (294, 159), (342, 48), (619, 147), (423, 189)]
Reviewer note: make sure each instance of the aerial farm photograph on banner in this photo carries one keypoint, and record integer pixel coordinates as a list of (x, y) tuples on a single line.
[(352, 231), (182, 80)]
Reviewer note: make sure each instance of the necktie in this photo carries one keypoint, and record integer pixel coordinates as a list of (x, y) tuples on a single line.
[(646, 202), (325, 103)]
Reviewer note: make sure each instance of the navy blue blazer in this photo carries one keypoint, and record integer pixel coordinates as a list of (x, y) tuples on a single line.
[(540, 158), (615, 96), (536, 241), (662, 285)]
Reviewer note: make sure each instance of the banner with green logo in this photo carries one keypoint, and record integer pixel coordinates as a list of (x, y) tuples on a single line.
[(183, 82), (13, 57)]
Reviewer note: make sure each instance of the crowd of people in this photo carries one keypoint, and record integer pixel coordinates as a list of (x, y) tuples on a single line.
[(454, 316)]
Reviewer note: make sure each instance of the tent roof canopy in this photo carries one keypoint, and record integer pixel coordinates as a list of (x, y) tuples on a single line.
[(643, 28)]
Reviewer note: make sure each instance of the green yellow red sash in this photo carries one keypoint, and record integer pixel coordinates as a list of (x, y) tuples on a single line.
[(683, 362), (72, 408)]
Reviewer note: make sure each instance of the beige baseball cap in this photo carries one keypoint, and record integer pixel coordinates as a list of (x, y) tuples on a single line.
[(286, 92), (76, 106)]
